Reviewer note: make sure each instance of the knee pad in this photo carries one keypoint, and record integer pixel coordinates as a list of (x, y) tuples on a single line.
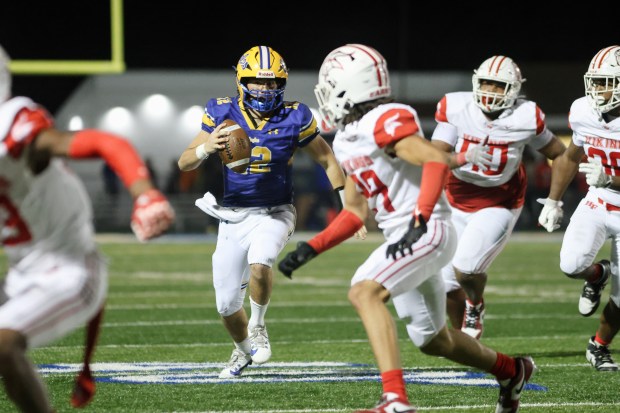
[(228, 304), (572, 264), (420, 337)]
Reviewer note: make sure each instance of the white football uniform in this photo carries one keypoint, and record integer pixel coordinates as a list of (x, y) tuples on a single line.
[(57, 280), (392, 187), (597, 217), (486, 204)]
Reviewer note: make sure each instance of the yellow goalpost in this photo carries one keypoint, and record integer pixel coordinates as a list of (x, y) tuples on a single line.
[(82, 67)]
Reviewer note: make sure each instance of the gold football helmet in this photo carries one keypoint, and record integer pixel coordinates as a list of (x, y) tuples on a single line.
[(262, 62)]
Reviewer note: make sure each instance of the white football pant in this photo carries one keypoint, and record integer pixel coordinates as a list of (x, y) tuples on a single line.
[(256, 239), (482, 235), (55, 297)]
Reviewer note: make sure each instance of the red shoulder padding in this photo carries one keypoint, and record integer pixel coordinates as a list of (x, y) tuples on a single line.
[(28, 123), (440, 113), (394, 125)]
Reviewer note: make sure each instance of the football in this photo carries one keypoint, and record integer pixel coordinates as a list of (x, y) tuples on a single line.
[(236, 155)]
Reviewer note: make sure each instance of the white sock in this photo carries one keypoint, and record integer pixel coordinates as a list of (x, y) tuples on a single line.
[(244, 346), (257, 317)]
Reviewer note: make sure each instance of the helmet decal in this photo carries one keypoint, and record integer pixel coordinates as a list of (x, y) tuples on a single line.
[(349, 75)]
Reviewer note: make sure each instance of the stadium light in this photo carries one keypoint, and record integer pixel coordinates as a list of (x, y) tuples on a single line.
[(157, 108), (118, 120), (76, 123)]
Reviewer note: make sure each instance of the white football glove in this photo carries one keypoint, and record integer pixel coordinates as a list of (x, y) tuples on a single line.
[(595, 173), (551, 215), (479, 155)]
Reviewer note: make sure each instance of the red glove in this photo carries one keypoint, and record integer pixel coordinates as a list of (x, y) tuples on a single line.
[(152, 215)]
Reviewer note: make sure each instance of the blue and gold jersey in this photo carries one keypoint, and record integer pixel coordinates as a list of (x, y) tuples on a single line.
[(268, 180)]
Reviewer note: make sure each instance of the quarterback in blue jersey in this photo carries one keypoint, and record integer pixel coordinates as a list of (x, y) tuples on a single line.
[(257, 216)]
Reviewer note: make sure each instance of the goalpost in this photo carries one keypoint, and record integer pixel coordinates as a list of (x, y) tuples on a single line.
[(82, 67)]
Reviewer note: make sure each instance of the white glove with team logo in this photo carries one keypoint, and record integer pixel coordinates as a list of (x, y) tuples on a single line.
[(551, 215), (595, 173)]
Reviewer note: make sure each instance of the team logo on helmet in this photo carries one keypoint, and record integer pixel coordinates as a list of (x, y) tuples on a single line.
[(334, 61), (283, 67), (617, 56), (243, 62)]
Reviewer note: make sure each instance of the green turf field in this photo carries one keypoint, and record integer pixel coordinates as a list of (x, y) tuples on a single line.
[(162, 343)]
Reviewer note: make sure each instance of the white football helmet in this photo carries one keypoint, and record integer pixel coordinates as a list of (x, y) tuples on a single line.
[(602, 77), (5, 76), (350, 74), (497, 69)]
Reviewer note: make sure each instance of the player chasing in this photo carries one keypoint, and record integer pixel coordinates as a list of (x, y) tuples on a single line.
[(595, 121), (57, 278), (392, 170), (257, 216), (486, 132)]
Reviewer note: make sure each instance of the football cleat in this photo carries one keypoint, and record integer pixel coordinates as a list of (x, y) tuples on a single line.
[(591, 293), (259, 340), (235, 366), (510, 389), (390, 403), (599, 356), (473, 319)]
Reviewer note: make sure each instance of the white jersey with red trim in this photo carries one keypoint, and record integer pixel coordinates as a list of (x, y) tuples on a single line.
[(391, 185), (599, 139), (461, 123), (45, 213)]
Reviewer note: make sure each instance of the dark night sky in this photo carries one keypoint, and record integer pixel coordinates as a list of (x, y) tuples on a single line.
[(202, 34)]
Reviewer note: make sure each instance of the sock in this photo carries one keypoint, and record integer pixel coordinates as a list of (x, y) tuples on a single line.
[(393, 382), (600, 341), (505, 367), (244, 346), (257, 314), (598, 272)]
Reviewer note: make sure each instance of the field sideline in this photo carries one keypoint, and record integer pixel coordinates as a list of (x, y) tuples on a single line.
[(162, 344)]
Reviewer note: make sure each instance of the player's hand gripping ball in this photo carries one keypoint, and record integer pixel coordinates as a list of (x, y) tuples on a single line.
[(237, 152)]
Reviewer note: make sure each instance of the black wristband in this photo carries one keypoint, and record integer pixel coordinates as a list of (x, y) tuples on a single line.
[(338, 197)]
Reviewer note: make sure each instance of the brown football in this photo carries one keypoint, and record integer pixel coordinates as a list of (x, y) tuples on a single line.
[(237, 153)]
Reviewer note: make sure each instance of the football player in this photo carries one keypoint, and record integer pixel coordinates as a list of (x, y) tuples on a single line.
[(486, 132), (257, 216), (57, 278), (595, 121), (399, 175)]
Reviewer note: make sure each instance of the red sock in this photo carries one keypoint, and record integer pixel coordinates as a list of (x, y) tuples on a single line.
[(504, 368), (602, 342), (598, 272), (393, 382)]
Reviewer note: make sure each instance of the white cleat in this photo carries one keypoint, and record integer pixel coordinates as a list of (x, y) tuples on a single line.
[(259, 340), (235, 366)]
